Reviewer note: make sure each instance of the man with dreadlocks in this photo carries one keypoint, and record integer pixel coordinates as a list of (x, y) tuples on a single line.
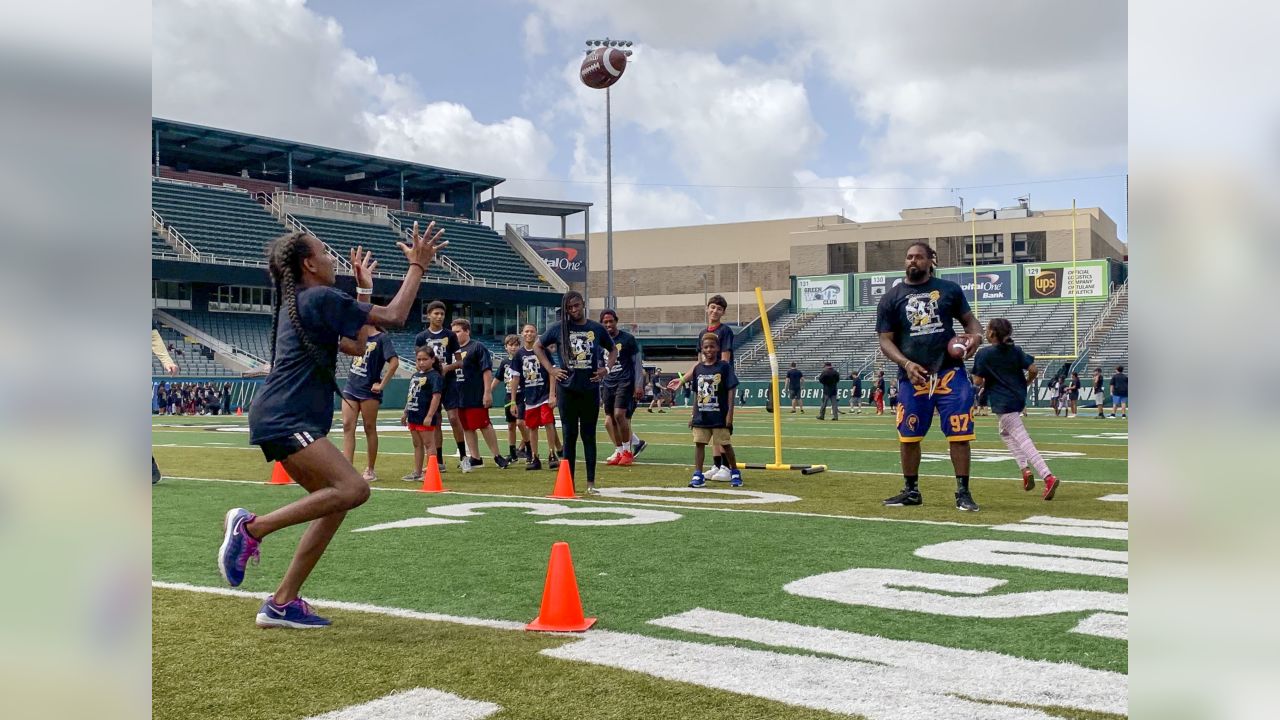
[(915, 320), (293, 412), (579, 342)]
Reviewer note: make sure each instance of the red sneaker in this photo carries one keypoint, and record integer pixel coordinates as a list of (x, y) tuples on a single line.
[(614, 459), (1028, 480), (625, 459), (1050, 487)]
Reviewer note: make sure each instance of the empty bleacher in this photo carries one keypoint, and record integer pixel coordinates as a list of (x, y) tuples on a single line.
[(479, 250), (223, 223), (848, 340), (191, 361), (344, 235)]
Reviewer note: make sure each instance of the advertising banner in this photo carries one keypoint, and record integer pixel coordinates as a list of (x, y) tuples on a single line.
[(995, 283), (822, 293), (1058, 282), (870, 287), (567, 258)]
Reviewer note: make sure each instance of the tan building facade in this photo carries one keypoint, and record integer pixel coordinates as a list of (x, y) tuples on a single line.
[(665, 273)]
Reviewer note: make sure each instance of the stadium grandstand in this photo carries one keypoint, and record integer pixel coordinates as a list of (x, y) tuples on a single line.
[(219, 197)]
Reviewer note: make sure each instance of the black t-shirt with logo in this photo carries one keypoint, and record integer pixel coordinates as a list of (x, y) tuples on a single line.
[(921, 318), (581, 359), (470, 375), (444, 342), (715, 384), (623, 372), (422, 386), (535, 388)]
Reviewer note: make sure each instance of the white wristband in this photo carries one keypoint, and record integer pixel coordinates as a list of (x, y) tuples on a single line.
[(364, 291)]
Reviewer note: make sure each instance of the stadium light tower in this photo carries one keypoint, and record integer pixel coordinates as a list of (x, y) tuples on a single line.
[(624, 45)]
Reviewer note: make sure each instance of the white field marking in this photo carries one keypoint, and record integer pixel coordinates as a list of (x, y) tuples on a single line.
[(1070, 527), (698, 495), (984, 455), (789, 513), (1105, 436), (409, 523), (351, 607), (1107, 625), (977, 674), (876, 692), (879, 587), (415, 704), (1117, 497), (381, 428), (843, 686), (634, 516), (1005, 478), (1033, 556), (1077, 522)]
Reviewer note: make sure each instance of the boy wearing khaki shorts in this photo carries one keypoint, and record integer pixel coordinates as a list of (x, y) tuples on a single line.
[(713, 381)]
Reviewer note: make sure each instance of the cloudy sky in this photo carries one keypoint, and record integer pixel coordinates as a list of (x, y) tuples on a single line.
[(731, 109)]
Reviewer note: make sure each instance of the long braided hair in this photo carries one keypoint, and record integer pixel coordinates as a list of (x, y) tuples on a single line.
[(564, 325), (284, 258), (929, 252)]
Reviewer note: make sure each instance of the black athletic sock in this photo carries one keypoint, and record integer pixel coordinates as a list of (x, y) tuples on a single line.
[(913, 482), (462, 451), (719, 460), (962, 483), (440, 456), (512, 449)]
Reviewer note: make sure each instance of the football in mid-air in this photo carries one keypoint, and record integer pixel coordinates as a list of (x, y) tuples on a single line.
[(602, 67), (958, 347)]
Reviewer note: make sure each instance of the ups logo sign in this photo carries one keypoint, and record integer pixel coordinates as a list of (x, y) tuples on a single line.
[(1046, 283)]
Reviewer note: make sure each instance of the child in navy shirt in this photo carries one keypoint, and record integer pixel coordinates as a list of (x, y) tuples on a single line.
[(422, 409), (712, 422)]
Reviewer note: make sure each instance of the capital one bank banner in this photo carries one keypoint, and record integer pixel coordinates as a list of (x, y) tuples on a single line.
[(567, 258), (994, 284), (819, 293)]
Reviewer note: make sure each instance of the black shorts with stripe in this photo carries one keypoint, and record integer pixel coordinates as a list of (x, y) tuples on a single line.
[(277, 449)]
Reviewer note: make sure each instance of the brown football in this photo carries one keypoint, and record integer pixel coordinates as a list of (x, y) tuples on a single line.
[(958, 347), (602, 67)]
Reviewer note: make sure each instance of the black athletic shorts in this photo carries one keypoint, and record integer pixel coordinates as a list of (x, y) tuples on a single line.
[(514, 413), (277, 449), (622, 396)]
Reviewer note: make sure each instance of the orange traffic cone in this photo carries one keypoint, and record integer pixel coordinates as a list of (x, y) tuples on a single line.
[(564, 482), (431, 478), (239, 411), (561, 606), (280, 476)]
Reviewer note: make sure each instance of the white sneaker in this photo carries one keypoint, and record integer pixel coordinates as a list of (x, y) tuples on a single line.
[(616, 454), (721, 474), (465, 465), (370, 476)]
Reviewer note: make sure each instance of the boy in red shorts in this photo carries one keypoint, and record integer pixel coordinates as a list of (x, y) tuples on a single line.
[(475, 394)]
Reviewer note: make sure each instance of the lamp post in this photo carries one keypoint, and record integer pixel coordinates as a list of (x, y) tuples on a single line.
[(610, 300)]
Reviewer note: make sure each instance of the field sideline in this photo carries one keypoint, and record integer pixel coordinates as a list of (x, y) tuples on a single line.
[(794, 597)]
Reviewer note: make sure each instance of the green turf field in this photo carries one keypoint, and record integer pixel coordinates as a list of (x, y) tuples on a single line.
[(812, 600)]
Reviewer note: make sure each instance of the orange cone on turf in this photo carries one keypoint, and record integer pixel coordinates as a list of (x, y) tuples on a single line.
[(280, 476), (561, 606), (564, 482), (239, 411), (431, 478)]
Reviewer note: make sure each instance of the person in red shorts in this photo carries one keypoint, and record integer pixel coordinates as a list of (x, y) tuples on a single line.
[(538, 394), (474, 378), (422, 408)]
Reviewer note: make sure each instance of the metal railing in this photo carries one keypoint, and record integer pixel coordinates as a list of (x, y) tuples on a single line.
[(291, 222), (230, 187), (430, 216), (441, 259), (533, 259), (248, 360), (173, 237), (319, 202)]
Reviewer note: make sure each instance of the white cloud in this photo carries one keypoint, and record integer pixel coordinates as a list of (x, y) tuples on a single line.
[(535, 42), (277, 68)]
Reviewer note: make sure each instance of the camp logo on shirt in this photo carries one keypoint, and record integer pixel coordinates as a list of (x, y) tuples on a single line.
[(532, 377), (461, 357), (438, 347), (415, 392), (580, 349), (359, 366), (922, 312), (708, 387)]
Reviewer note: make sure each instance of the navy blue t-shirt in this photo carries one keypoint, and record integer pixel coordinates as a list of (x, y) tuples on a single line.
[(476, 358), (444, 342), (725, 334), (366, 370), (920, 318), (857, 384), (422, 386), (297, 395), (715, 385), (1002, 368), (507, 371), (793, 379), (581, 359), (535, 387), (1120, 384), (623, 372)]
